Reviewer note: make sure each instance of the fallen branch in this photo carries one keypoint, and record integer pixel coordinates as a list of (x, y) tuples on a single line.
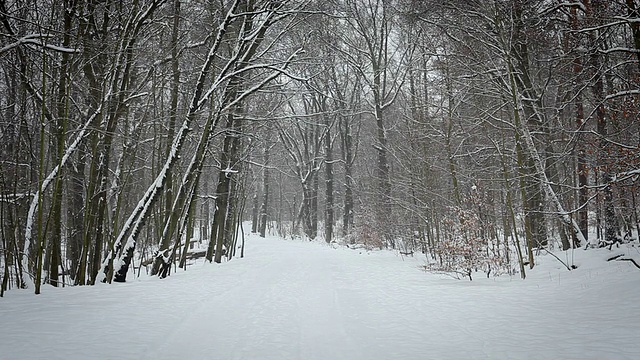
[(620, 257), (615, 257)]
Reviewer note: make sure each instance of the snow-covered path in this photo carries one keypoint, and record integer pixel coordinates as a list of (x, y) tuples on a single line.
[(298, 300)]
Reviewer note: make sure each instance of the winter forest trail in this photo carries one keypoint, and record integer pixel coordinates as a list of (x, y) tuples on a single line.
[(298, 300)]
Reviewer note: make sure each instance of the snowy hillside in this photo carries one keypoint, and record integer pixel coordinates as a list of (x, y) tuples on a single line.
[(298, 300)]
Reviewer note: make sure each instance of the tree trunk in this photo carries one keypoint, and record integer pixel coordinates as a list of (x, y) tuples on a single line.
[(329, 213), (223, 193), (633, 13), (170, 218), (255, 211), (583, 195), (522, 134), (59, 133), (173, 114), (383, 208), (531, 106), (610, 221), (314, 205), (348, 157), (265, 193)]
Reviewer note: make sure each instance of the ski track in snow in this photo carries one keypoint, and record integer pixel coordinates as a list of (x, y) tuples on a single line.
[(299, 300)]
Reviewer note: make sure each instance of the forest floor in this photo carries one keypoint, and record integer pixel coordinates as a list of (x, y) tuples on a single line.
[(291, 299)]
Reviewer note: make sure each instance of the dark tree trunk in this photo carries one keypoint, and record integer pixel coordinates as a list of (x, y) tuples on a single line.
[(595, 62), (265, 194), (348, 157), (632, 10), (328, 221), (222, 203), (74, 215), (532, 107), (314, 207), (308, 207), (583, 195), (255, 211)]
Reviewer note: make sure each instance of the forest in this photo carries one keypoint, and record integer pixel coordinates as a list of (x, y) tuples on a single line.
[(479, 133)]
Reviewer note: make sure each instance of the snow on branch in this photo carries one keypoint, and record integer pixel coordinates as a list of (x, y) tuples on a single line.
[(625, 175), (34, 39), (11, 198), (618, 49), (622, 93), (627, 19), (576, 4)]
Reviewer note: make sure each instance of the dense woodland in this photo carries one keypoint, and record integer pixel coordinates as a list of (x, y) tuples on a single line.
[(478, 133)]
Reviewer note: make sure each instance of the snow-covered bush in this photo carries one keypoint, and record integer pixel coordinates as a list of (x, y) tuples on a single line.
[(467, 245)]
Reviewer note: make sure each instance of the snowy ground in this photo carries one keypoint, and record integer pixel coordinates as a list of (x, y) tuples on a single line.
[(299, 300)]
